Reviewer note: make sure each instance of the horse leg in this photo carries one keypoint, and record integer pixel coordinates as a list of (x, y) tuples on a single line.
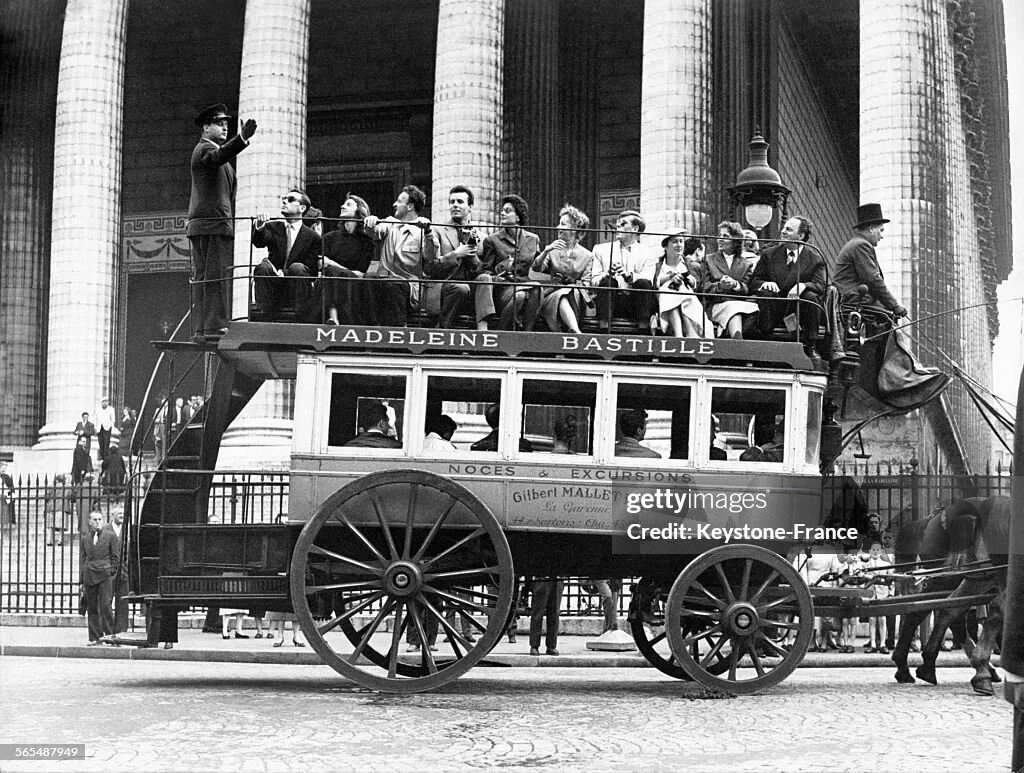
[(943, 617), (908, 625), (980, 655)]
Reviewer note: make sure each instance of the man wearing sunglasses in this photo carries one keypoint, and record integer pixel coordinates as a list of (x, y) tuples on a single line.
[(293, 250), (211, 211)]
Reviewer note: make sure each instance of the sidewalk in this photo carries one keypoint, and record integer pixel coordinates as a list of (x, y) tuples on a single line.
[(69, 640)]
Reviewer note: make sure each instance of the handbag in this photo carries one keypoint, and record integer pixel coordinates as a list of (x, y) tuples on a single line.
[(82, 606)]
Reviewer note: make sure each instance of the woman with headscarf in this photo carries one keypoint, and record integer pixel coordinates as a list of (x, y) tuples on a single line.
[(679, 310), (568, 263), (725, 276)]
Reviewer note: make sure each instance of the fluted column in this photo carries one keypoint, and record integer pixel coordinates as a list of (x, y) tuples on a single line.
[(28, 90), (86, 214), (468, 103), (531, 106), (272, 89), (675, 115)]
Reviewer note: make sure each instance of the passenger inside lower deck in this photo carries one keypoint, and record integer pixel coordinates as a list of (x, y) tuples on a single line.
[(633, 424), (376, 428)]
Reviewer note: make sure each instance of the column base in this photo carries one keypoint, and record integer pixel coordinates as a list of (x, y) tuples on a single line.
[(258, 443)]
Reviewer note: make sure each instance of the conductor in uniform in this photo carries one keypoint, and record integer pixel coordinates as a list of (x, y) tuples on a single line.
[(211, 209)]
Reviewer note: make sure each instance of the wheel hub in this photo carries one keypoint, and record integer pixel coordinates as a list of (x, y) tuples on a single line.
[(403, 578), (741, 619)]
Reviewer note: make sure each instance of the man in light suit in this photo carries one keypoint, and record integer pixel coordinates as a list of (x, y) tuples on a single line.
[(458, 261), (293, 253), (211, 209), (100, 557), (792, 269), (633, 424), (121, 578), (857, 264), (622, 266)]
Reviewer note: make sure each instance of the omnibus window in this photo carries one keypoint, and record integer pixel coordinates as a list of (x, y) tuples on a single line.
[(668, 419), (465, 399), (558, 416), (353, 394), (749, 418), (813, 428)]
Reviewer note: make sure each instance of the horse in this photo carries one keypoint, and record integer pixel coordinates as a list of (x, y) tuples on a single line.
[(972, 529)]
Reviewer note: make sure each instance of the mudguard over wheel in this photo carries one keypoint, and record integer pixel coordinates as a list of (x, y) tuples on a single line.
[(727, 616), (395, 552)]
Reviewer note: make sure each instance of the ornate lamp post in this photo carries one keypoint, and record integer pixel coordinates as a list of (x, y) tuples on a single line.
[(759, 189)]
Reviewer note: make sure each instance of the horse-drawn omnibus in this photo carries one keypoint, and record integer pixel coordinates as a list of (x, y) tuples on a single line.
[(390, 537)]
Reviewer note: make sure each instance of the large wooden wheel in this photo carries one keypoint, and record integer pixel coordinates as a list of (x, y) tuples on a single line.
[(650, 635), (747, 598), (390, 554)]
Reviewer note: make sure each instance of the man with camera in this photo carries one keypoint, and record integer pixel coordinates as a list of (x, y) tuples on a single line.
[(624, 268), (458, 262)]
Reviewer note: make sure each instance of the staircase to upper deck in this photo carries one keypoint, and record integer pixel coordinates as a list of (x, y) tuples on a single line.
[(178, 490)]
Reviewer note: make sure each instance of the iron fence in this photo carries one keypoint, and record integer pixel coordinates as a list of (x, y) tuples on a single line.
[(39, 557)]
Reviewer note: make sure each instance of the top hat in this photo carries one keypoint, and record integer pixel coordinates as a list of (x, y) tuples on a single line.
[(670, 237), (868, 214), (213, 113)]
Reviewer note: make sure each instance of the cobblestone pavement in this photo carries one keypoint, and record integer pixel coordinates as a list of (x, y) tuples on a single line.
[(160, 716)]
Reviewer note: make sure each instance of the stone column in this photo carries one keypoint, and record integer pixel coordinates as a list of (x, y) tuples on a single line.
[(28, 92), (675, 117), (86, 216), (468, 104), (272, 89), (531, 106)]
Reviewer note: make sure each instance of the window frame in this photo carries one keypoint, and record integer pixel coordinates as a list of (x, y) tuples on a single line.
[(611, 415)]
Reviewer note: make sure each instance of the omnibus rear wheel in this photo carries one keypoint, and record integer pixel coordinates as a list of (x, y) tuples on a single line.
[(398, 548)]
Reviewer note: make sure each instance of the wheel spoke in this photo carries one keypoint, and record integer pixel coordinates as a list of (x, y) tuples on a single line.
[(777, 602), (317, 550), (477, 532), (764, 586), (453, 635), (410, 518), (745, 581), (393, 551), (658, 638), (362, 537), (348, 613), (427, 657), (780, 624), (752, 651), (369, 630), (396, 639), (713, 651), (458, 602), (717, 601), (434, 530), (474, 592), (460, 573), (729, 595), (717, 628), (772, 644), (703, 613), (358, 585)]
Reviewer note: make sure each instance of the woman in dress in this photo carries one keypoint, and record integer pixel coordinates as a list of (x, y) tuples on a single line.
[(568, 264), (507, 256), (679, 310), (725, 275), (277, 621)]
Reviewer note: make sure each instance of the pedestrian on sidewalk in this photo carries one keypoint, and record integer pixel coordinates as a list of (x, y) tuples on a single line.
[(100, 557), (547, 602), (277, 621)]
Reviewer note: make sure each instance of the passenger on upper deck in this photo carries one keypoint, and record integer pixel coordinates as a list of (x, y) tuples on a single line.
[(292, 251), (751, 247), (621, 266), (633, 424), (406, 243), (857, 264), (726, 273), (376, 429), (314, 218), (791, 269), (348, 252), (507, 256), (679, 310), (489, 442), (458, 262), (569, 264)]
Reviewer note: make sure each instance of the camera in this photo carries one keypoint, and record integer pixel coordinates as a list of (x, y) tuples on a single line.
[(470, 237)]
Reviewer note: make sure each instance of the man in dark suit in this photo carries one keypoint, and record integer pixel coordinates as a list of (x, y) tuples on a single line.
[(376, 429), (112, 470), (86, 429), (857, 264), (792, 269), (100, 557), (293, 253), (211, 209)]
